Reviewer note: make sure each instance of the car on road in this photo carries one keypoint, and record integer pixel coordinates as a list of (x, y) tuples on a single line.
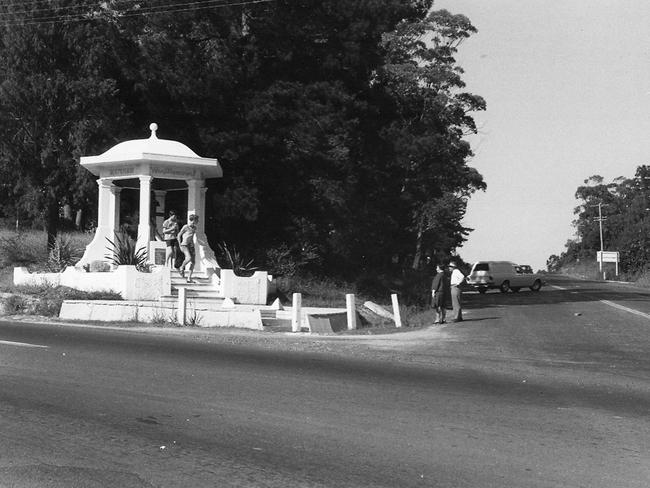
[(503, 275), (524, 268)]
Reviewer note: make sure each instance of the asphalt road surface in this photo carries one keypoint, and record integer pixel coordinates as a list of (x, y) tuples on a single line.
[(548, 389)]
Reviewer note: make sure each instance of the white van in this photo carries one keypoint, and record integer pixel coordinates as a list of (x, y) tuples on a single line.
[(503, 275)]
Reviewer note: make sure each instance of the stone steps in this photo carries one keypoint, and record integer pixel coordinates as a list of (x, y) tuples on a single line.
[(210, 302), (201, 288)]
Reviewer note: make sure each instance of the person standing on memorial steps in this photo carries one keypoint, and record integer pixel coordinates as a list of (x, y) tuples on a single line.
[(186, 240), (457, 280), (170, 233)]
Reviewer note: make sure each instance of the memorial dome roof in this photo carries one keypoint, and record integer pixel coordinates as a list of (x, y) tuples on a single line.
[(151, 156)]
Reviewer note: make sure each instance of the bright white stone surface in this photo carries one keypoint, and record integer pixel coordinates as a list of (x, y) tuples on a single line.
[(150, 311), (125, 280), (245, 290)]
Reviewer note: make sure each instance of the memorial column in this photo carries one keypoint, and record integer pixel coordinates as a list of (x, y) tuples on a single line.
[(144, 224)]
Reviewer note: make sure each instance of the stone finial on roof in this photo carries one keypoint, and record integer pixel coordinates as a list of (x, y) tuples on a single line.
[(153, 127)]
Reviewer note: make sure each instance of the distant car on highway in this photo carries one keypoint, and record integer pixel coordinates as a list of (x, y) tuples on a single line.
[(503, 275)]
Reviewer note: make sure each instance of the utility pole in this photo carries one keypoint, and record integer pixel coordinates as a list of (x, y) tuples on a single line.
[(600, 220)]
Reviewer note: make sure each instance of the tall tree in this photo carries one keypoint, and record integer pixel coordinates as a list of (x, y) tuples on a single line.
[(430, 116), (57, 99), (296, 143)]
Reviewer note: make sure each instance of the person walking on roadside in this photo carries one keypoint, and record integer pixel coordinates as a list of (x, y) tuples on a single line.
[(186, 240), (440, 294), (457, 279), (170, 231)]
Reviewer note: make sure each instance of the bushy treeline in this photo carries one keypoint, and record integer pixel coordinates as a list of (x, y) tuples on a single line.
[(339, 123), (625, 209)]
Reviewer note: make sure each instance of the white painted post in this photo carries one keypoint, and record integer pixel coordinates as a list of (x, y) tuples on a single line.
[(351, 310), (396, 315), (295, 312), (182, 305)]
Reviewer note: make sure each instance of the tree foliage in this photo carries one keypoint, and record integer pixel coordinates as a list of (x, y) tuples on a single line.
[(340, 124), (625, 208), (57, 101)]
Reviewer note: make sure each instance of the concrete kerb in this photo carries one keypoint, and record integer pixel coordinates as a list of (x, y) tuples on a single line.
[(405, 337)]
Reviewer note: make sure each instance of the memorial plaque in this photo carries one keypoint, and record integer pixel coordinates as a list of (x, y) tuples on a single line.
[(159, 256)]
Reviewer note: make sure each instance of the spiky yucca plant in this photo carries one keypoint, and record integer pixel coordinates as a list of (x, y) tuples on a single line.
[(123, 252), (64, 253), (233, 259)]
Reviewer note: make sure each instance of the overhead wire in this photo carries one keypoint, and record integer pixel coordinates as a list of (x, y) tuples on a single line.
[(38, 8), (140, 11), (135, 6)]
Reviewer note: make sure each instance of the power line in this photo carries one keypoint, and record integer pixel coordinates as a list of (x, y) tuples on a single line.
[(135, 6), (157, 9), (58, 8)]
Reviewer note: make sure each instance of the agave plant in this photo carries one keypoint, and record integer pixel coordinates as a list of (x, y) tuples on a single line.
[(63, 254), (233, 259), (123, 252)]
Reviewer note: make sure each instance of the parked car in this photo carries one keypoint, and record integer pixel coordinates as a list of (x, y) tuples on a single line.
[(504, 275)]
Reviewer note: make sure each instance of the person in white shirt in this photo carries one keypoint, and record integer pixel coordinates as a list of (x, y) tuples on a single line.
[(457, 279)]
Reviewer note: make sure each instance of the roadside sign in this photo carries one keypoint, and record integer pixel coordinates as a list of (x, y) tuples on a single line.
[(608, 257)]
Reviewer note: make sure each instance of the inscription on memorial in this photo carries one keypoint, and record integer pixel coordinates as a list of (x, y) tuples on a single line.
[(172, 173), (129, 170), (159, 256)]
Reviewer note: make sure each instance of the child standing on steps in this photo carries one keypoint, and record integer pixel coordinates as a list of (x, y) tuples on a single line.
[(186, 241), (170, 232)]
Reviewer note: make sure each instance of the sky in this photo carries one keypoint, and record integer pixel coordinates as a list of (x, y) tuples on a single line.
[(567, 87)]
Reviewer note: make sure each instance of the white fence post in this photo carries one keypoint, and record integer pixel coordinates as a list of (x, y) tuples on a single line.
[(296, 312), (396, 314), (182, 305), (351, 310)]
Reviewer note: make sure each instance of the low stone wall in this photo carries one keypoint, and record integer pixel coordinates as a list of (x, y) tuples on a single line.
[(125, 280), (251, 290), (155, 312)]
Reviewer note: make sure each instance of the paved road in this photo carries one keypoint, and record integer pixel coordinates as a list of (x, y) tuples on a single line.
[(548, 389)]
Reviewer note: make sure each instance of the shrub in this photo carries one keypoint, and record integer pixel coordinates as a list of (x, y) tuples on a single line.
[(122, 252), (14, 304), (281, 262), (194, 318), (316, 292), (162, 317), (22, 248), (47, 307), (63, 254), (233, 259), (98, 266), (286, 261)]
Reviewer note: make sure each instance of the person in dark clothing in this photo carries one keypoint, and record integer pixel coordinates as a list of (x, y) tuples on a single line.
[(440, 294)]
